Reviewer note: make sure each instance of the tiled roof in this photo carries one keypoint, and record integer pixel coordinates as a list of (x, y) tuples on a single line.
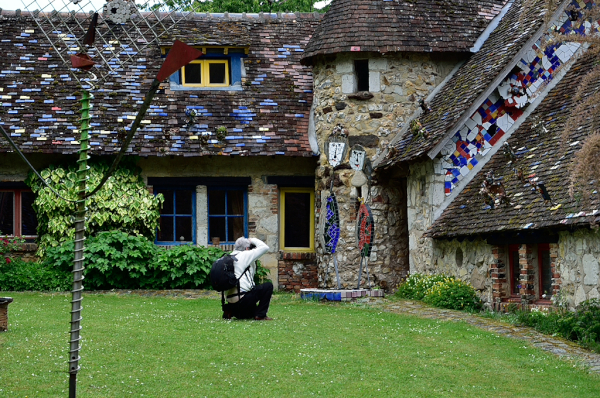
[(39, 104), (401, 25), (469, 82), (544, 158)]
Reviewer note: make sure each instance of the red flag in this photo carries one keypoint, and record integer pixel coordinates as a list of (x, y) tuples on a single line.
[(179, 56)]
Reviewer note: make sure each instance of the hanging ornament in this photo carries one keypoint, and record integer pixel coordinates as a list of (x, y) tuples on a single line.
[(330, 233), (365, 228), (336, 146), (357, 157)]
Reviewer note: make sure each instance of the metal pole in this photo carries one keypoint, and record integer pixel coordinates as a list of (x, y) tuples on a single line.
[(79, 247)]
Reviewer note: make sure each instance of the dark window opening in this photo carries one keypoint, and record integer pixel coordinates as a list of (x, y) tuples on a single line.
[(217, 73), (176, 217), (515, 269), (361, 68), (297, 219), (17, 217), (545, 271), (193, 73), (227, 214)]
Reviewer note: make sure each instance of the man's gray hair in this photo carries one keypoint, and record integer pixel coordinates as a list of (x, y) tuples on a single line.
[(241, 244)]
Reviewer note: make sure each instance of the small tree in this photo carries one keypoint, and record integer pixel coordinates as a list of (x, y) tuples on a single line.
[(123, 203)]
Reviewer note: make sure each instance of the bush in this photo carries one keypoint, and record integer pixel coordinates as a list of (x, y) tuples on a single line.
[(581, 325), (123, 203), (440, 291), (416, 285), (184, 266), (116, 260), (19, 275), (453, 294)]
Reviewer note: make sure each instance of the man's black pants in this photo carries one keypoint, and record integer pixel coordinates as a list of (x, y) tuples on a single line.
[(247, 307)]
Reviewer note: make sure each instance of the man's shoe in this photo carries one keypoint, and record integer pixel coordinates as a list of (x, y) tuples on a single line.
[(262, 318), (227, 315)]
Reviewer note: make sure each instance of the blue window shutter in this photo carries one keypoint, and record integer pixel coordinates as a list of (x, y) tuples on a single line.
[(236, 70)]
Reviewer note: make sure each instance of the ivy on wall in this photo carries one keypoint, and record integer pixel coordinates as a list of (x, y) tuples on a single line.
[(123, 203)]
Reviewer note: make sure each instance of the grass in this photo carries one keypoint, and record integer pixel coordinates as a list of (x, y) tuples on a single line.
[(165, 347)]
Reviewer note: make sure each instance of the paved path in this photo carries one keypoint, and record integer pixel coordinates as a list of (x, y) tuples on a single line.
[(557, 346)]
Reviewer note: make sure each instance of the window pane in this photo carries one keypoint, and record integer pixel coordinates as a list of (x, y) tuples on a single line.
[(165, 233), (183, 202), (546, 274), (214, 50), (28, 218), (216, 228), (216, 203), (168, 203), (297, 219), (515, 271), (362, 74), (235, 228), (217, 73), (6, 213), (193, 74), (235, 202), (183, 228)]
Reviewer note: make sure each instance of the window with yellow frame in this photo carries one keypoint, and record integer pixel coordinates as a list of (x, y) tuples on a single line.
[(297, 219), (206, 73)]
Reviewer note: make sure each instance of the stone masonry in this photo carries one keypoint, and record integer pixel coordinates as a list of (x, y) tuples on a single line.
[(396, 84)]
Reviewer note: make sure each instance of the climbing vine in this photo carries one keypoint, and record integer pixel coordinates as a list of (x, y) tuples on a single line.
[(122, 204)]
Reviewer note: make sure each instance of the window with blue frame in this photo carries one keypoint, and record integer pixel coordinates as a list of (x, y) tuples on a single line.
[(177, 217), (227, 213), (217, 68)]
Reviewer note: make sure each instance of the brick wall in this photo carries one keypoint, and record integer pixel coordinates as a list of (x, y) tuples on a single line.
[(498, 273), (297, 271)]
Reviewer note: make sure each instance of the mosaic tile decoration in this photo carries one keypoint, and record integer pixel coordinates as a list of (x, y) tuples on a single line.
[(339, 295), (365, 230), (331, 226), (505, 105)]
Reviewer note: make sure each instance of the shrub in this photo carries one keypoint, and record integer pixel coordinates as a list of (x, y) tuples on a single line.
[(8, 245), (19, 275), (581, 325), (123, 203), (453, 294), (184, 266), (416, 285), (116, 260)]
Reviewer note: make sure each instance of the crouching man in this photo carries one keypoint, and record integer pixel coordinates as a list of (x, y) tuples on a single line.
[(251, 302)]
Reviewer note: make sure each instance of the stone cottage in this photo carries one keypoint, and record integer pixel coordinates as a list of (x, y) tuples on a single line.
[(225, 140), (374, 62), (489, 164)]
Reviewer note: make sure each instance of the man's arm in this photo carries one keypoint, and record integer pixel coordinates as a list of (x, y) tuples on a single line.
[(259, 249)]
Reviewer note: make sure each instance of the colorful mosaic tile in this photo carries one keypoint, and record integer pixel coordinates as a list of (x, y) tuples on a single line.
[(365, 230), (505, 105), (331, 227)]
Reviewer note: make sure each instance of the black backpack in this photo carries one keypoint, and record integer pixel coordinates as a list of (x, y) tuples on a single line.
[(222, 275)]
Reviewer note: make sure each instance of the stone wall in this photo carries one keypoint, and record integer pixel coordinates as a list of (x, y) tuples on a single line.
[(425, 194), (396, 85), (470, 261), (575, 265), (578, 265)]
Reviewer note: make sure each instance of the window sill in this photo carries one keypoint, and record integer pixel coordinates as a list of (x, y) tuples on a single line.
[(180, 87), (297, 255)]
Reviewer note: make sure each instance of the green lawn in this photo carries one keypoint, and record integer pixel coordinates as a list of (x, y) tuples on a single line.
[(165, 347)]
